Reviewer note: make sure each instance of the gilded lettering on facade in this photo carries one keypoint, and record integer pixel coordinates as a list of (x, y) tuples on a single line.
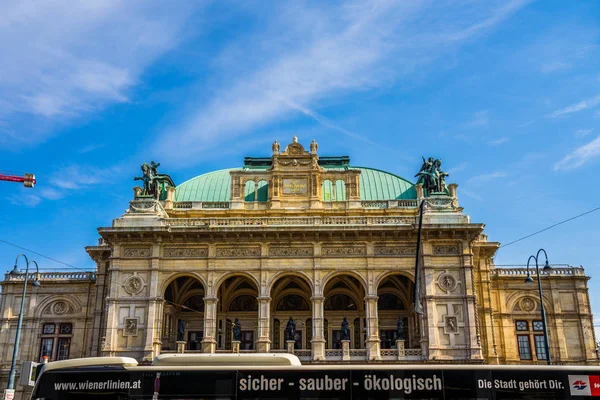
[(291, 251), (295, 186), (238, 252), (185, 252)]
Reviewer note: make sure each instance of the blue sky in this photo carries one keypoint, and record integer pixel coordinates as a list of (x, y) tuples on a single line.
[(506, 93)]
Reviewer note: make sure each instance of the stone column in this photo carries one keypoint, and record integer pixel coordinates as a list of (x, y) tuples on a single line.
[(345, 350), (318, 339), (373, 341), (263, 344), (170, 196), (209, 341), (400, 347)]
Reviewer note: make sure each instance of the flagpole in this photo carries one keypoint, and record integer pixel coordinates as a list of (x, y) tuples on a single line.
[(417, 289)]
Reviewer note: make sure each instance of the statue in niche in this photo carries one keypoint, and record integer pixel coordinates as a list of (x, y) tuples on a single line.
[(431, 176), (275, 147), (290, 329), (345, 329), (400, 329), (236, 330), (180, 330)]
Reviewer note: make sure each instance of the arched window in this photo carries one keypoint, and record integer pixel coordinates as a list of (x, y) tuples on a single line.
[(339, 193), (263, 191), (292, 302), (389, 301), (244, 302), (340, 302), (194, 303), (249, 189), (327, 190)]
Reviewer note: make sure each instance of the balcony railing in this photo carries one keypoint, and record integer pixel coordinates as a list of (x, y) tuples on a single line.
[(522, 271), (289, 221), (53, 276)]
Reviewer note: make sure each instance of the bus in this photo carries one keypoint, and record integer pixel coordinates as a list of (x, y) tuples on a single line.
[(282, 376)]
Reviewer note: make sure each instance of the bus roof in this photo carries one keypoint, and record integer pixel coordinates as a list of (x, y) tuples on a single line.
[(230, 359)]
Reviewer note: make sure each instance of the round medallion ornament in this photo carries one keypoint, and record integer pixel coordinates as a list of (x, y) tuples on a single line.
[(60, 307), (527, 304), (134, 285), (447, 282)]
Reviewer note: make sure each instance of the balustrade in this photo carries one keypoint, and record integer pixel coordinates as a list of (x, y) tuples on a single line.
[(288, 221)]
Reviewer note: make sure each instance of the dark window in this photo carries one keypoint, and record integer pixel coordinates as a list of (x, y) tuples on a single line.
[(244, 303), (340, 302), (64, 345), (48, 329), (524, 347), (538, 326), (46, 348), (66, 329), (247, 342), (388, 339), (336, 339), (522, 325), (540, 348), (195, 340), (389, 301)]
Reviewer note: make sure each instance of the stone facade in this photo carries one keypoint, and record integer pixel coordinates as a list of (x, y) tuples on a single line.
[(174, 270)]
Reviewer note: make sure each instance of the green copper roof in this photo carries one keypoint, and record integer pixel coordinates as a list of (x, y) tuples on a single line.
[(374, 185)]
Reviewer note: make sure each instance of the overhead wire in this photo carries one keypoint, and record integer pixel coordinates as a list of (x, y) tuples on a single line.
[(550, 227)]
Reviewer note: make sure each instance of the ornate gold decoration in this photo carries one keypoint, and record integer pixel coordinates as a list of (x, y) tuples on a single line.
[(291, 251), (238, 252), (395, 250), (445, 249), (185, 252), (134, 284), (344, 251), (136, 252)]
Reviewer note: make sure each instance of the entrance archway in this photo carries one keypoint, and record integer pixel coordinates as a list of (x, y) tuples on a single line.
[(290, 297), (395, 294), (344, 298), (184, 301), (237, 297)]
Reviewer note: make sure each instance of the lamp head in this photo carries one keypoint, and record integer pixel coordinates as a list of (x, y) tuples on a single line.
[(547, 267), (529, 279), (15, 271), (36, 283)]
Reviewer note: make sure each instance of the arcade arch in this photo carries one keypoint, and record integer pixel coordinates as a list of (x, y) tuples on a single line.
[(344, 298), (290, 297), (183, 301), (237, 298), (394, 302)]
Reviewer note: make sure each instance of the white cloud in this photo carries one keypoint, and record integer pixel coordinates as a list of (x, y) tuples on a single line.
[(579, 156), (477, 179), (318, 54), (81, 176), (499, 141), (28, 200), (63, 59), (573, 108), (479, 119), (583, 132)]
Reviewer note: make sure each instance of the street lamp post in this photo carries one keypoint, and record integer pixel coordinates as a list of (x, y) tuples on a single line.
[(36, 283), (548, 269)]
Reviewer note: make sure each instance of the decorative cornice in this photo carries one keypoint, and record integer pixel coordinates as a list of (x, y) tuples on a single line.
[(238, 251), (185, 252), (291, 251)]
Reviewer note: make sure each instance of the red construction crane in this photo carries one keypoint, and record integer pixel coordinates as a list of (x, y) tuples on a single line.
[(28, 180)]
